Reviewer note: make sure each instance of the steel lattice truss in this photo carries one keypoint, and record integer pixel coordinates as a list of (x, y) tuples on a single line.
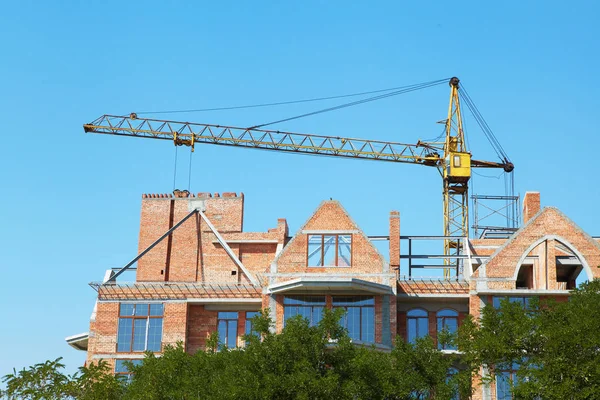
[(186, 133)]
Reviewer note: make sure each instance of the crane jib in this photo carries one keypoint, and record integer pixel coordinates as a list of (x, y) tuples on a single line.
[(450, 156)]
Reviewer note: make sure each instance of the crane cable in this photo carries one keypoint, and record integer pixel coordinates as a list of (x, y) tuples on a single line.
[(484, 125), (280, 102), (405, 89)]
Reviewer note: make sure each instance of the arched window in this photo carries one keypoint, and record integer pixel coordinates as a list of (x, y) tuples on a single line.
[(417, 324), (447, 319)]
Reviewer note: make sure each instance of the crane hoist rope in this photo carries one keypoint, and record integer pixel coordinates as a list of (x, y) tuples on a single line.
[(450, 156)]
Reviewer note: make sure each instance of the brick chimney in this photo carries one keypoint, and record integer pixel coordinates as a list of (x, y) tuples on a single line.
[(531, 205), (394, 239)]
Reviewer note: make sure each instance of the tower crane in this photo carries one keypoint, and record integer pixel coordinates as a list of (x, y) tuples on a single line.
[(450, 156)]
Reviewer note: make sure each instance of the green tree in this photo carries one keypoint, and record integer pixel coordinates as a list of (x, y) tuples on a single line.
[(554, 345), (46, 381)]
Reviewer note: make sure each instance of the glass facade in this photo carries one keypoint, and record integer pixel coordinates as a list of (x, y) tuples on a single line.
[(140, 327), (227, 323), (417, 324), (310, 307), (359, 319)]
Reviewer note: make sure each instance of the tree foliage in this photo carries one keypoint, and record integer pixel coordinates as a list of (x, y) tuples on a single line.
[(302, 362), (554, 345)]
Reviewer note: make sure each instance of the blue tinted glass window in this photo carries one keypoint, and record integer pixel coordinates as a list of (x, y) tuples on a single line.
[(121, 367), (417, 324), (249, 327), (121, 370), (359, 319), (368, 324), (309, 307), (141, 310), (447, 320), (140, 327), (524, 301), (156, 310), (154, 334), (503, 386), (139, 334), (227, 328), (124, 334), (126, 310)]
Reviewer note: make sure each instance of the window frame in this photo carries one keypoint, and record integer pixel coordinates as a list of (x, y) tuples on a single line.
[(224, 344), (361, 307), (322, 248), (248, 326), (440, 327), (511, 373), (146, 318), (416, 318), (126, 375), (322, 305)]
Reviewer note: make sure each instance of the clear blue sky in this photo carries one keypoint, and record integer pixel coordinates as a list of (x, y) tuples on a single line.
[(70, 201)]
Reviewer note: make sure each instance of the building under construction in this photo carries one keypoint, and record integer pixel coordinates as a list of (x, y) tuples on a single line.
[(198, 271)]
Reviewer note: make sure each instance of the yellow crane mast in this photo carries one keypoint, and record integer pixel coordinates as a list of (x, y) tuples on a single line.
[(451, 156)]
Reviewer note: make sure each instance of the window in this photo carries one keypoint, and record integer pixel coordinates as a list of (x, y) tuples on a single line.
[(506, 378), (227, 323), (329, 250), (249, 328), (450, 378), (447, 320), (359, 318), (498, 299), (140, 327), (417, 324), (121, 370), (310, 307)]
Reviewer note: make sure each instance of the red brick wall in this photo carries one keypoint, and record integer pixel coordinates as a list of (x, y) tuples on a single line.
[(531, 205), (200, 324), (549, 222), (330, 216), (191, 253), (103, 331), (174, 323)]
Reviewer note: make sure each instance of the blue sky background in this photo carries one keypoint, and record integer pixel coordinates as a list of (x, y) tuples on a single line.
[(70, 201)]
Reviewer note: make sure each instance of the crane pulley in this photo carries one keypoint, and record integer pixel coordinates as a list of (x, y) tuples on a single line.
[(451, 156)]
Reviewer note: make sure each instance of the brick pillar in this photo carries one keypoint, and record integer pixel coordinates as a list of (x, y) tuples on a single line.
[(402, 325), (433, 326), (394, 239), (531, 205)]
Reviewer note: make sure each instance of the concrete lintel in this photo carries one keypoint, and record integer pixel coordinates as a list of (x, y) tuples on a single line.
[(121, 356), (524, 292), (213, 300), (243, 241), (328, 231), (325, 274), (79, 341), (434, 295), (331, 283)]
